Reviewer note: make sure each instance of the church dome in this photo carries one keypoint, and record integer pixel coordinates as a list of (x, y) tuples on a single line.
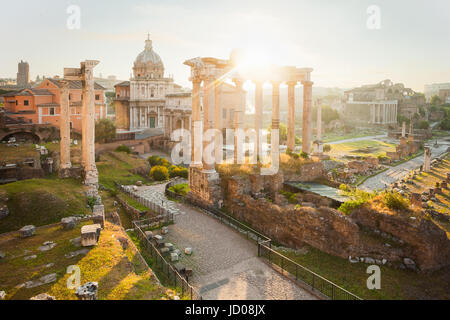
[(148, 63)]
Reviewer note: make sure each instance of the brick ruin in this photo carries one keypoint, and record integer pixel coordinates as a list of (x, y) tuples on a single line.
[(366, 232)]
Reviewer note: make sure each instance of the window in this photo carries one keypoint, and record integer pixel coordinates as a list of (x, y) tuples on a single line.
[(70, 96), (97, 97), (153, 92), (224, 113), (25, 102), (51, 111)]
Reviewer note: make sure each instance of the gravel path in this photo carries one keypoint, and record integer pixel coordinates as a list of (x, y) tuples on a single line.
[(386, 178), (225, 263)]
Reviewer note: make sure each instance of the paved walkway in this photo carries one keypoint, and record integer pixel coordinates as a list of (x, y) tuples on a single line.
[(225, 264), (384, 179)]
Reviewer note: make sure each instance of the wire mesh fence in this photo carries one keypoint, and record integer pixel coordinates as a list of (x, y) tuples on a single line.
[(303, 274), (171, 277)]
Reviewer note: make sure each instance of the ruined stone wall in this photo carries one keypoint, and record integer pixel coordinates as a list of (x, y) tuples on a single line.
[(306, 173), (365, 233), (424, 241)]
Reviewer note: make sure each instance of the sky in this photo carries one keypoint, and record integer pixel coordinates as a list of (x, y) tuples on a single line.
[(410, 46)]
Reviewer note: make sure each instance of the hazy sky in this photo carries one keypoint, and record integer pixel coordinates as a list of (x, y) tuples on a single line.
[(412, 46)]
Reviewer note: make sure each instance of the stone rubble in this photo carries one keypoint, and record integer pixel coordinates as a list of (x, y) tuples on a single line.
[(88, 291)]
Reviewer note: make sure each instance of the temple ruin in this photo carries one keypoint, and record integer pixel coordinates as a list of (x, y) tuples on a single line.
[(86, 74), (212, 72)]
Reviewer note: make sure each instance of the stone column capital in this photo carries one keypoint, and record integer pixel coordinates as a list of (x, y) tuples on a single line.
[(238, 82), (275, 83), (197, 80), (292, 83), (307, 83)]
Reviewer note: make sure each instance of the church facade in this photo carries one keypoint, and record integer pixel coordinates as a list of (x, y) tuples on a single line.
[(146, 102)]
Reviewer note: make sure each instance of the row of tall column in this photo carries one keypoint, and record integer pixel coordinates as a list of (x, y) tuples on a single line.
[(212, 115), (140, 117), (384, 113)]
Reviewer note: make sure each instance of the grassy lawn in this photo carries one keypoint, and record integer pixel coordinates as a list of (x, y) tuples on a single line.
[(132, 202), (42, 201), (121, 274), (118, 166), (10, 154), (363, 148), (332, 137), (156, 266), (395, 284)]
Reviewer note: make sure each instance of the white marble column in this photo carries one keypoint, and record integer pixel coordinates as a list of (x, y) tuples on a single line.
[(90, 169), (258, 117), (275, 145), (208, 117), (291, 115), (238, 115), (196, 146), (64, 126), (307, 116)]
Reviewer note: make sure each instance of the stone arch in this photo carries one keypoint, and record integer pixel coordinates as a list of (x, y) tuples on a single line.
[(21, 135)]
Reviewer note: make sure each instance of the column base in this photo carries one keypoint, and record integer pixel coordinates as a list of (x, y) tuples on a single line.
[(205, 188), (69, 172), (91, 177)]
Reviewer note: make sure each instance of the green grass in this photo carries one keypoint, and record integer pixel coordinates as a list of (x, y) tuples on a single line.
[(395, 284), (181, 189), (118, 167), (42, 201), (132, 202), (356, 148), (156, 266)]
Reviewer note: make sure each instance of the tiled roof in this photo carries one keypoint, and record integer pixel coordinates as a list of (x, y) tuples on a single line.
[(26, 92), (41, 92), (75, 84), (123, 84)]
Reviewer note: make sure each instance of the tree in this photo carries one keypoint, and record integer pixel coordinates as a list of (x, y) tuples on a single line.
[(328, 114), (424, 124), (282, 132), (435, 100), (105, 130)]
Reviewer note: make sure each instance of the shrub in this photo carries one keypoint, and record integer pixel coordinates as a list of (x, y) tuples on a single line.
[(123, 148), (159, 173), (357, 198), (395, 201), (304, 155), (158, 161), (153, 160), (181, 172), (181, 189), (289, 196), (91, 201), (326, 148), (424, 124)]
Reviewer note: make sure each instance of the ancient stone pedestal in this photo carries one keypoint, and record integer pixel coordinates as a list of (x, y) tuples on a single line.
[(90, 235), (43, 296), (27, 231), (204, 187), (68, 223), (427, 159), (87, 291), (98, 215)]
